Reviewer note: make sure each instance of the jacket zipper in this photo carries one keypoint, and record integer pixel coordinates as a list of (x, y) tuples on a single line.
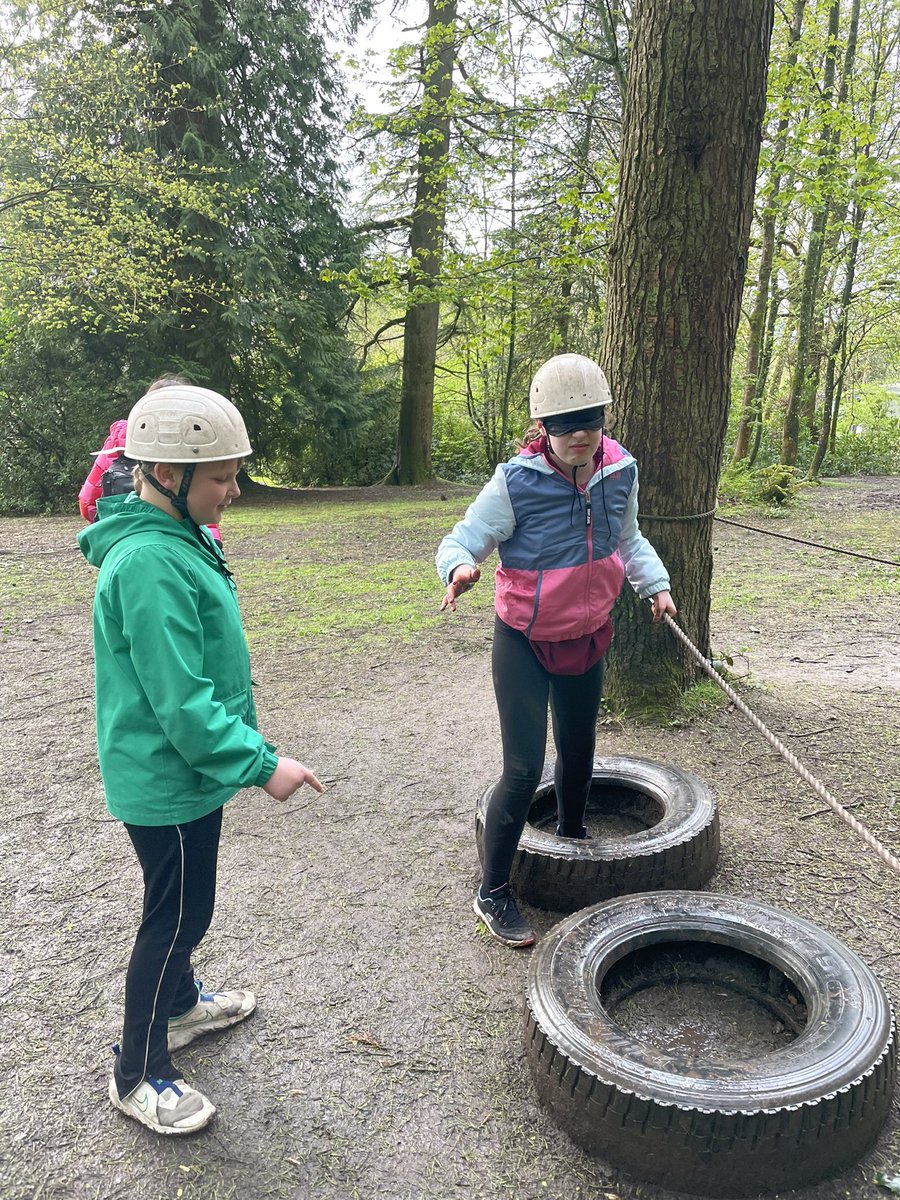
[(590, 552)]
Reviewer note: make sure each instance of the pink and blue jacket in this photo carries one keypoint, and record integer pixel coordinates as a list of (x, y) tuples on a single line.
[(563, 554)]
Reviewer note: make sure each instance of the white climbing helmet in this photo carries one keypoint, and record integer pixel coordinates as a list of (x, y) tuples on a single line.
[(180, 423), (567, 383)]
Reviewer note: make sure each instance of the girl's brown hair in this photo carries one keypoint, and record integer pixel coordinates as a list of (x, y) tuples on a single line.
[(532, 432), (167, 381)]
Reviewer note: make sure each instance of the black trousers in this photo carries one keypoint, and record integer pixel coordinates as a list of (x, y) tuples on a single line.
[(179, 866), (523, 687)]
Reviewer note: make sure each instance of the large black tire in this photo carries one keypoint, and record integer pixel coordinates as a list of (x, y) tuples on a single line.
[(729, 1127), (677, 848)]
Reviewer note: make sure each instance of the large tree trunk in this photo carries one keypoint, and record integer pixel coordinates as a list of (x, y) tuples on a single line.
[(838, 344), (755, 376), (690, 146), (806, 366), (192, 132), (413, 461)]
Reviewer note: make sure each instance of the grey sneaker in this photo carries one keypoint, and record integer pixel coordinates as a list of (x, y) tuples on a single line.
[(168, 1106), (501, 916), (213, 1011)]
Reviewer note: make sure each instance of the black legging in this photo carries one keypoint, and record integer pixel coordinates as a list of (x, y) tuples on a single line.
[(179, 866), (523, 686)]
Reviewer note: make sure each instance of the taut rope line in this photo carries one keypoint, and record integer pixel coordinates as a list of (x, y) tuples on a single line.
[(819, 788), (888, 562)]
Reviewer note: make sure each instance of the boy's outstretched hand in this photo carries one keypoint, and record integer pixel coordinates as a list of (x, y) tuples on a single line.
[(464, 577), (287, 777)]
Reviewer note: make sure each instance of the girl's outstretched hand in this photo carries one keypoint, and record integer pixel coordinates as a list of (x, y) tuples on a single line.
[(662, 603), (287, 777), (464, 577)]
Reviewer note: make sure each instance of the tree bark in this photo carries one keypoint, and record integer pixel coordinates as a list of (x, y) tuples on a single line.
[(193, 131), (805, 365), (755, 381), (413, 459), (837, 346), (693, 115)]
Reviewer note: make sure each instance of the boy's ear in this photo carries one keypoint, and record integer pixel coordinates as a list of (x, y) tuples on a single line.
[(168, 474)]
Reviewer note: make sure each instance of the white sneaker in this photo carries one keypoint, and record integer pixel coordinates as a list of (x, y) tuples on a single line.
[(213, 1010), (165, 1105)]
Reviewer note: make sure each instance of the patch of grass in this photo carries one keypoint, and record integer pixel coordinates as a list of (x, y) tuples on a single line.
[(682, 709), (874, 533), (357, 568), (702, 700), (737, 589), (374, 602), (43, 586), (406, 511)]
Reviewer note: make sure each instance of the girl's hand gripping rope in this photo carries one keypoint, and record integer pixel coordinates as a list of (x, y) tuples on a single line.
[(463, 577), (287, 777), (662, 604)]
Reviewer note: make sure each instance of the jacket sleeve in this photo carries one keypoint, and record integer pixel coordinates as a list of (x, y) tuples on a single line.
[(164, 637), (90, 489), (93, 485), (489, 520), (643, 566)]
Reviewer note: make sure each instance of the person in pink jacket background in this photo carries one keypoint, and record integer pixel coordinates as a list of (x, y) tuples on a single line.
[(113, 447), (92, 488)]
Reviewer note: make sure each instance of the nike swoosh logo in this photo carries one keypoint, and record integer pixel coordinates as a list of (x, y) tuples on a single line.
[(144, 1104)]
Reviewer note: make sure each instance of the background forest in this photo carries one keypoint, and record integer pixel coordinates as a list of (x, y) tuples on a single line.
[(371, 252)]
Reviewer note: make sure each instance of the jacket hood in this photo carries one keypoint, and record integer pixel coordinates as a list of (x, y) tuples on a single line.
[(120, 517)]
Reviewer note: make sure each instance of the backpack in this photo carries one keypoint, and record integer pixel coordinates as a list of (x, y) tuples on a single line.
[(117, 479)]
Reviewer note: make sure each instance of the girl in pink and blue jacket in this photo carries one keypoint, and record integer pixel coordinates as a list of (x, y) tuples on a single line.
[(563, 515)]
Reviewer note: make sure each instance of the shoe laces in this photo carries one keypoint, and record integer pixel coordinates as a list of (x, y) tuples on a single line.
[(504, 903), (161, 1085)]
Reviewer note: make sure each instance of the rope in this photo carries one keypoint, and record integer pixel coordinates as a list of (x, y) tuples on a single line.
[(888, 562), (857, 826), (688, 517)]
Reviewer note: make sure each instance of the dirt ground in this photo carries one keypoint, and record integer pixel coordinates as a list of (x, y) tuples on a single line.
[(386, 1059)]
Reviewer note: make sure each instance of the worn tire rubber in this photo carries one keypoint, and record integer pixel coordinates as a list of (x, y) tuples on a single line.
[(679, 850), (732, 1127)]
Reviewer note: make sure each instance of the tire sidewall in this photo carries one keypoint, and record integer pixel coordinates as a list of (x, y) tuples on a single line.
[(679, 850), (849, 1018)]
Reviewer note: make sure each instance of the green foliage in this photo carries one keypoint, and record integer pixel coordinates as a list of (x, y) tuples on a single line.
[(530, 187), (828, 177), (869, 452), (171, 177), (56, 404), (458, 453), (357, 451), (82, 233), (774, 485), (867, 441)]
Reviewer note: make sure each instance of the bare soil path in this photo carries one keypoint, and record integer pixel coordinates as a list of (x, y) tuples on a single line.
[(386, 1059)]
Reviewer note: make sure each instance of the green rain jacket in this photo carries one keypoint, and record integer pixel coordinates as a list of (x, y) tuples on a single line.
[(176, 722)]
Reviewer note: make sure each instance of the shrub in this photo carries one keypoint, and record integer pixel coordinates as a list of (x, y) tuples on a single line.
[(775, 485)]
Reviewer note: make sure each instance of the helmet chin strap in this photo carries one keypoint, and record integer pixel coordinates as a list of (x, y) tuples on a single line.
[(178, 499)]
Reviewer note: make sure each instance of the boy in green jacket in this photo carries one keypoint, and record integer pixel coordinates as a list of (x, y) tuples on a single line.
[(176, 726)]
